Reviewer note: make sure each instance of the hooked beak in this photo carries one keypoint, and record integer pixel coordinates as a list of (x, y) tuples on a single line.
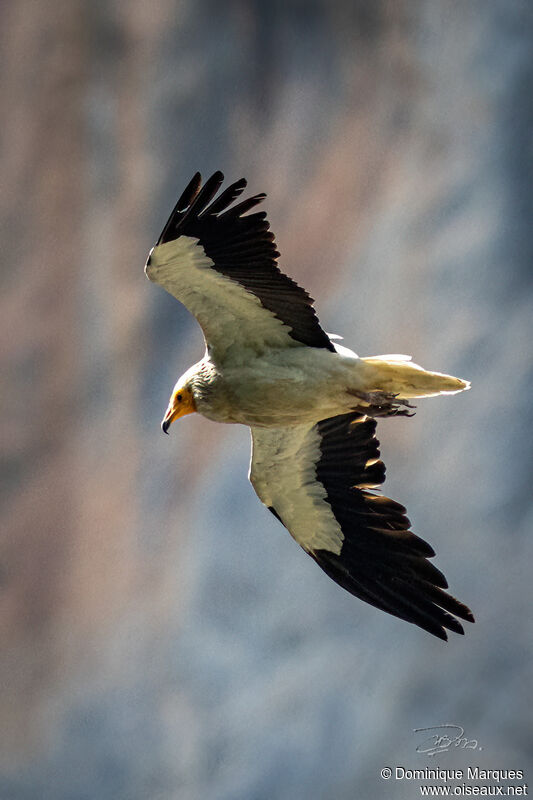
[(171, 414)]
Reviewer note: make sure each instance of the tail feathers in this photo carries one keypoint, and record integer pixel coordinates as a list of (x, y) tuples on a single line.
[(391, 357), (398, 375)]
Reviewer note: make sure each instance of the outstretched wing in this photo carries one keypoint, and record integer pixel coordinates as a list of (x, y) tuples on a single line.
[(222, 266), (316, 481)]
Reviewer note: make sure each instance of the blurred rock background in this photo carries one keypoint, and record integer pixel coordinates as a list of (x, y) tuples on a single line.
[(161, 636)]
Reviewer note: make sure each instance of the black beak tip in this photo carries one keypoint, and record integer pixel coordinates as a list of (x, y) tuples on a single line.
[(165, 425)]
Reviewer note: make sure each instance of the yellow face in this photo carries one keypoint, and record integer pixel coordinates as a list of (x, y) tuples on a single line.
[(181, 403)]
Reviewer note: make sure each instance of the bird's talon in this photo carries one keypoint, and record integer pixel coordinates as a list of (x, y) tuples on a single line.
[(383, 404)]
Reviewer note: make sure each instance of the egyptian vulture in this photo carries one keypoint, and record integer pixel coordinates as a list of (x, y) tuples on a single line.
[(311, 403)]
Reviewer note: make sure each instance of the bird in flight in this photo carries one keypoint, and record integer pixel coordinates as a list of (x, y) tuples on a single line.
[(310, 402)]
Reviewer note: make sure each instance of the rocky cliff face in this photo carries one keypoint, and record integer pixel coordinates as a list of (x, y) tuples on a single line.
[(161, 636)]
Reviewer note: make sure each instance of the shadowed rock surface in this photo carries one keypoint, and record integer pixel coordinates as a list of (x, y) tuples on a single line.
[(162, 636)]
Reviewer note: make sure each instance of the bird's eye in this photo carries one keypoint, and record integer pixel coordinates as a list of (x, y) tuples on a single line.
[(178, 398)]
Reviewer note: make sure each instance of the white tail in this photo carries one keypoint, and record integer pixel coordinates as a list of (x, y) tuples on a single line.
[(398, 375)]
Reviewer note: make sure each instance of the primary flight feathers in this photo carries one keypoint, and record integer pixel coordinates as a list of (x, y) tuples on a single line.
[(309, 401)]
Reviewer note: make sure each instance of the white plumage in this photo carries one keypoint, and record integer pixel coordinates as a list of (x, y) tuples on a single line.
[(230, 317)]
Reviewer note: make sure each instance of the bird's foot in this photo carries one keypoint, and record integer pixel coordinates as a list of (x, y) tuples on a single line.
[(381, 404)]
